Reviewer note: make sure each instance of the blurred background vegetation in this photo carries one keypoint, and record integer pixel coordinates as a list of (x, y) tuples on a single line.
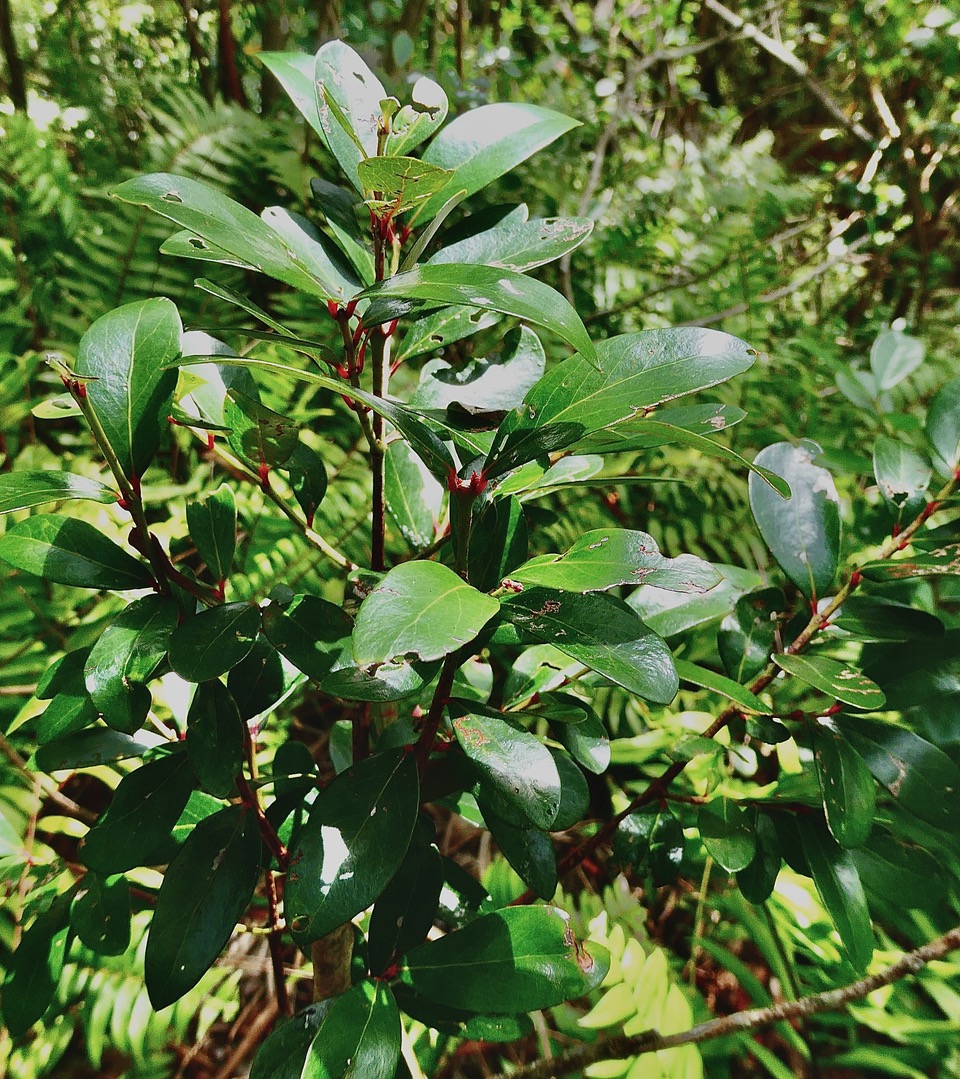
[(785, 171)]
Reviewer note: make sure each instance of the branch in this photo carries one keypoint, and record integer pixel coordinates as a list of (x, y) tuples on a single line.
[(621, 1046)]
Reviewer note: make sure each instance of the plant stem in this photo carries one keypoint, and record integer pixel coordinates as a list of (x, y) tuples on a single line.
[(432, 723), (380, 346)]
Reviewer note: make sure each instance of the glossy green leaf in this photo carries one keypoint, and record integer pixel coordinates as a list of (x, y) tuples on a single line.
[(283, 1053), (726, 687), (463, 1024), (100, 914), (666, 426), (728, 834), (66, 714), (486, 288), (318, 253), (84, 749), (515, 960), (33, 972), (802, 531), (313, 634), (671, 613), (206, 889), (484, 143), (22, 490), (834, 678), (943, 427), (601, 632), (528, 850), (606, 557), (257, 433), (636, 372), (651, 841), (391, 682), (125, 657), (236, 235), (211, 642), (517, 771), (574, 792), (518, 244), (68, 551), (308, 479), (940, 562), (876, 618), (835, 875), (498, 543), (747, 636), (354, 841), (414, 497), (434, 331), (903, 475), (212, 520), (261, 680), (757, 881), (399, 184), (342, 210), (849, 793), (126, 352), (893, 356), (587, 741), (404, 913), (136, 827), (419, 609), (359, 1037), (215, 738), (891, 867), (294, 72)]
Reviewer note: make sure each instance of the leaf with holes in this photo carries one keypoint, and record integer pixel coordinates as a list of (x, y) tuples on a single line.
[(399, 184), (902, 475), (257, 433), (518, 244), (834, 678)]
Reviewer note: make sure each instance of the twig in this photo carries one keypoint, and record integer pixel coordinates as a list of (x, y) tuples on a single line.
[(258, 1028), (435, 715)]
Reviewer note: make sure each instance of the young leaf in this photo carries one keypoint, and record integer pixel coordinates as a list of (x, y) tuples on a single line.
[(486, 288), (515, 960), (211, 642), (206, 889), (122, 661), (212, 520), (312, 633), (23, 490), (603, 633), (359, 1036), (517, 771), (483, 144), (126, 352), (68, 551), (728, 834), (215, 738), (943, 427), (419, 609), (400, 183), (834, 678), (417, 121), (802, 531), (354, 841), (849, 793), (100, 914)]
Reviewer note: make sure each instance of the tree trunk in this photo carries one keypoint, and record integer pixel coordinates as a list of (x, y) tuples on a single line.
[(17, 85), (228, 73), (328, 20), (274, 26), (197, 54)]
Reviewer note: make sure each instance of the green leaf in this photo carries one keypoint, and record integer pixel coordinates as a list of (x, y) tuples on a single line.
[(257, 433), (876, 618), (413, 496), (758, 880), (603, 634), (834, 678), (498, 542), (434, 331), (651, 841), (802, 531), (835, 875), (136, 827), (23, 490), (902, 475), (359, 1037), (354, 841), (606, 557), (294, 72), (726, 687), (746, 637), (236, 235), (486, 288), (206, 889), (125, 657), (529, 851), (667, 426), (672, 613), (404, 913), (462, 1024), (517, 771), (261, 680), (308, 479), (84, 749), (400, 183), (391, 682), (67, 714), (587, 742), (215, 739), (126, 352), (33, 972), (212, 520), (100, 915), (849, 793), (636, 372), (518, 244), (943, 427), (728, 834), (515, 960), (211, 642), (316, 252), (313, 634), (68, 551), (483, 144), (283, 1053), (419, 609), (893, 356), (941, 562), (341, 209)]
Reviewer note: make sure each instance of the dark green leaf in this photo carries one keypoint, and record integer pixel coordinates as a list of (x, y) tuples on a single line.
[(834, 678), (284, 1052), (391, 682), (463, 1024), (404, 913), (486, 288), (728, 834), (261, 679), (835, 875), (891, 868), (748, 635), (23, 490), (943, 427), (587, 741), (726, 687), (205, 890), (668, 425), (100, 915), (651, 841), (68, 551), (215, 738), (67, 714), (359, 1037), (528, 850), (308, 479), (212, 521), (313, 634), (498, 543), (435, 331), (574, 792), (876, 618), (126, 351), (516, 770), (849, 794), (414, 497), (257, 433), (757, 881), (125, 657), (87, 748), (940, 562), (355, 840), (802, 531), (211, 642), (601, 632), (317, 253), (515, 960), (483, 144), (136, 827), (33, 973), (421, 610)]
